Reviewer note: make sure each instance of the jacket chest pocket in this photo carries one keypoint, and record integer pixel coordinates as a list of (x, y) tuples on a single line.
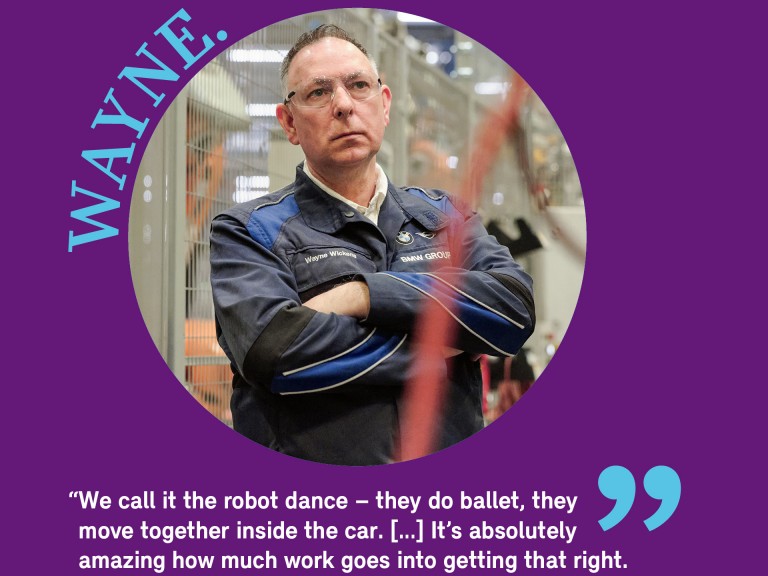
[(424, 253), (319, 268)]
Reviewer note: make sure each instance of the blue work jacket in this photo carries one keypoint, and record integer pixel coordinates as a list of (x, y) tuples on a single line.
[(327, 387)]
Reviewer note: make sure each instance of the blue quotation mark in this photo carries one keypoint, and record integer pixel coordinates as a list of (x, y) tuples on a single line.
[(660, 482)]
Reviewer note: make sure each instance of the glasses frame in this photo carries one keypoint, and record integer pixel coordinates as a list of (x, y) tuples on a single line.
[(287, 100)]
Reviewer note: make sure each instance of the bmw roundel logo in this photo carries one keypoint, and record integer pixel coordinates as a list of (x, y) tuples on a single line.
[(404, 237)]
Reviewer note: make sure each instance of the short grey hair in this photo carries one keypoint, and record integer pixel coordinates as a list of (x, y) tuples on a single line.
[(309, 38)]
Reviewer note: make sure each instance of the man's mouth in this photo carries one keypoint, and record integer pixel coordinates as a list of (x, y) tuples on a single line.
[(345, 135)]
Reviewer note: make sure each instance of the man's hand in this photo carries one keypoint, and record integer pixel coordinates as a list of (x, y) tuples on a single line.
[(350, 299)]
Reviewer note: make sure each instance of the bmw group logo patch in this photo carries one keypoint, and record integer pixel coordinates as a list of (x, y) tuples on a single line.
[(404, 237)]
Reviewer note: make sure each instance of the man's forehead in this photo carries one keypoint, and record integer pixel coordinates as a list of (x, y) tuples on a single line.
[(328, 58), (345, 77)]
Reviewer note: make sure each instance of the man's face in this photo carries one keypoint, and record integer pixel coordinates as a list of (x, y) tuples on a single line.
[(346, 132)]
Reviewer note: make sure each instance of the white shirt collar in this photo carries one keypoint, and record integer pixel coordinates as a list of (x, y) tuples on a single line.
[(374, 206)]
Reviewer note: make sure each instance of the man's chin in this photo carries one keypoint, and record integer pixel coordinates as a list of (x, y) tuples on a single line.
[(352, 157)]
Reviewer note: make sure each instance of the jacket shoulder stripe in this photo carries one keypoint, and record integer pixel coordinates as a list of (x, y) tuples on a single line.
[(435, 198), (267, 220)]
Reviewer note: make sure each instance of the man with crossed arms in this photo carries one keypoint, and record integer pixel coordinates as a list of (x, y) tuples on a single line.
[(317, 287)]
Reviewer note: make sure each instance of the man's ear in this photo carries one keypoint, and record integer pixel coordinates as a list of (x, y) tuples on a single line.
[(285, 117), (386, 95)]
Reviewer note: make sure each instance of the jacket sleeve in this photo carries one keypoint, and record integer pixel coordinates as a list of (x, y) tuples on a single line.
[(488, 295), (272, 340)]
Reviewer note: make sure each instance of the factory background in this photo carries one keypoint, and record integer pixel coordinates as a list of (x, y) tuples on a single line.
[(219, 144)]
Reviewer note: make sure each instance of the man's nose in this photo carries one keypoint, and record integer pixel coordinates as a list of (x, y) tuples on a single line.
[(341, 102)]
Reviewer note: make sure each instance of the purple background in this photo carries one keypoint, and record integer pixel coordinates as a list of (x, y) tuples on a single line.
[(661, 109)]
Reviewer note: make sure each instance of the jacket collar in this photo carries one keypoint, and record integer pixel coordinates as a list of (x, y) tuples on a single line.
[(318, 209), (327, 214)]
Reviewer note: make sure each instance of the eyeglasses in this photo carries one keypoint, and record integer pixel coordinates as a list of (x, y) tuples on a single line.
[(319, 92)]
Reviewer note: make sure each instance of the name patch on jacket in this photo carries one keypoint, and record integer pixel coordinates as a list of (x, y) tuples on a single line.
[(428, 256), (329, 254)]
